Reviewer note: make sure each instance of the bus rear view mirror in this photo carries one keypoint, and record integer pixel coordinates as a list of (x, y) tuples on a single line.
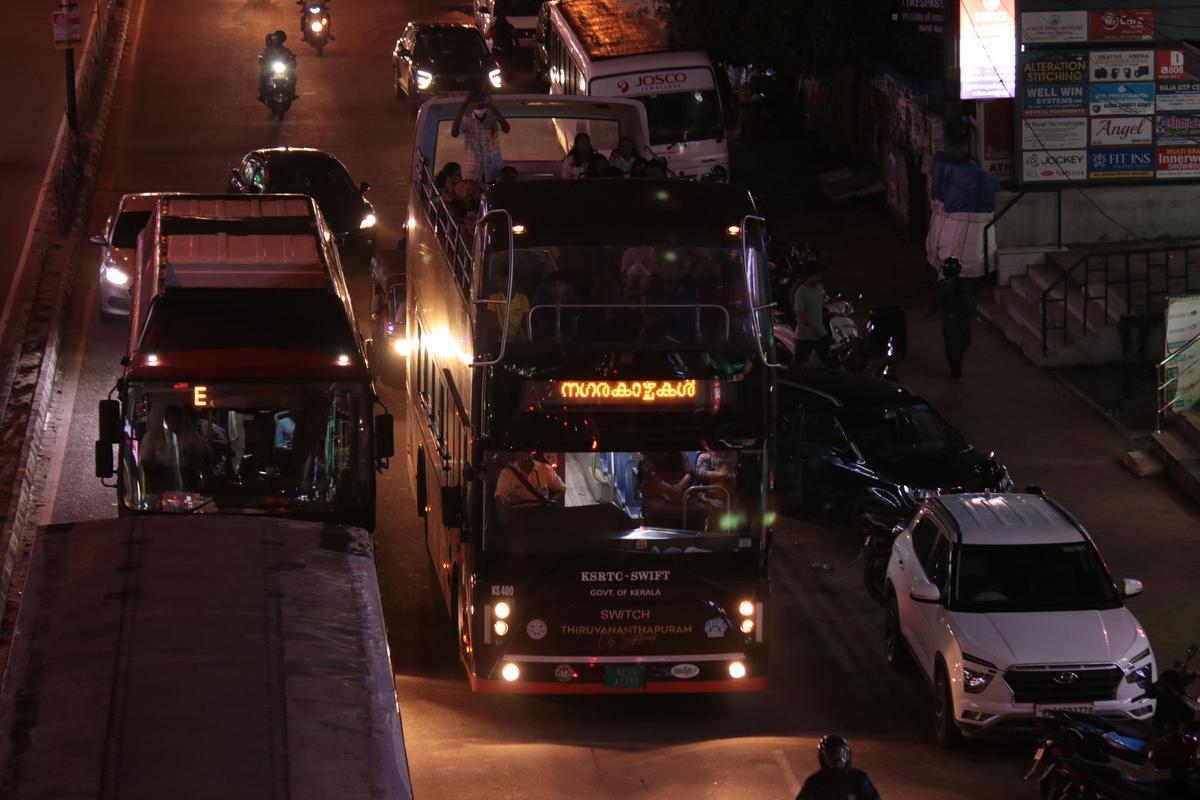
[(385, 440), (452, 506), (110, 421), (104, 460)]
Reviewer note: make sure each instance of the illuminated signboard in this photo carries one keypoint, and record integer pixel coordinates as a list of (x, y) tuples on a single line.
[(200, 396), (677, 394), (987, 44)]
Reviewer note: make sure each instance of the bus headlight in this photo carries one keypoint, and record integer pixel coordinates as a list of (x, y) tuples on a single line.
[(746, 608), (494, 78), (115, 276), (424, 79), (747, 626), (737, 670), (368, 221), (502, 610), (510, 672), (501, 627)]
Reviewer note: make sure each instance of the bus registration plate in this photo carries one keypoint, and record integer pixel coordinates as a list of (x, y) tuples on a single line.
[(624, 676)]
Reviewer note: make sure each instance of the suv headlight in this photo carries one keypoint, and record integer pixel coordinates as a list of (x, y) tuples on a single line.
[(915, 495), (424, 79), (975, 681), (494, 78), (115, 276), (1143, 675)]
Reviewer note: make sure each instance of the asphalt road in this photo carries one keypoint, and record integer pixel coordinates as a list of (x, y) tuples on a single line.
[(33, 99), (184, 114)]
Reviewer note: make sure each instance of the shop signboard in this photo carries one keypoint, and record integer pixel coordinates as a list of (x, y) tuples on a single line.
[(1054, 100), (1107, 131), (1169, 65), (1107, 163), (1111, 66), (1120, 24), (1053, 166), (1178, 96), (1053, 66), (1054, 133), (1053, 27), (987, 49), (1183, 371), (1177, 129), (1178, 162), (1121, 98)]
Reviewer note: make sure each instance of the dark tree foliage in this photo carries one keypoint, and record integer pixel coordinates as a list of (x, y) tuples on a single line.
[(796, 37)]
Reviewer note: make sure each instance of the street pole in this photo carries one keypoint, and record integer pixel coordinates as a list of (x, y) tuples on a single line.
[(72, 106)]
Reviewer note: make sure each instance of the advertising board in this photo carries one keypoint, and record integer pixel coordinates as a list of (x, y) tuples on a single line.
[(1178, 96), (1121, 162), (987, 49), (1062, 100), (1054, 133), (1177, 129), (1054, 27), (1053, 66), (1110, 66), (1053, 166), (1121, 24), (1121, 98), (1121, 131), (1178, 162)]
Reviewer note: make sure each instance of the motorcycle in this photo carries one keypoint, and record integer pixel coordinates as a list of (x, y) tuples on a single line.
[(315, 25), (1085, 757), (280, 86)]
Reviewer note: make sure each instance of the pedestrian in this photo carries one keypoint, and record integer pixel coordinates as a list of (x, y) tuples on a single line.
[(481, 124), (836, 779), (808, 306), (956, 304)]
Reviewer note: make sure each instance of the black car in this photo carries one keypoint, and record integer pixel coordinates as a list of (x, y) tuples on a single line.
[(438, 58), (321, 176), (867, 450)]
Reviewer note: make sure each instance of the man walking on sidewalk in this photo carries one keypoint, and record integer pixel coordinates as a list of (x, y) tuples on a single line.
[(956, 304), (808, 305)]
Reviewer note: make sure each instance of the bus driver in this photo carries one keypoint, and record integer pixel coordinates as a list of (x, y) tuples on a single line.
[(527, 481)]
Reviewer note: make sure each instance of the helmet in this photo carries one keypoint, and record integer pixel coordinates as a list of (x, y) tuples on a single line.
[(951, 268), (833, 752), (280, 37)]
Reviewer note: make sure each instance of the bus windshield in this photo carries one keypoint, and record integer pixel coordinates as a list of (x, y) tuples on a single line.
[(248, 448), (683, 116), (653, 295), (657, 502)]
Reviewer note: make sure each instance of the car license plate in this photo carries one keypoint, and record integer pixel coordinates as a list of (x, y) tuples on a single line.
[(625, 676), (1075, 708)]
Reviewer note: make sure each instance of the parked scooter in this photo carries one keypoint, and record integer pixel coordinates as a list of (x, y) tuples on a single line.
[(1085, 757), (315, 24)]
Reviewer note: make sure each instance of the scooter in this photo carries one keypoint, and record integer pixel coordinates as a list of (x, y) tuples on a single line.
[(315, 24), (280, 86), (1084, 756)]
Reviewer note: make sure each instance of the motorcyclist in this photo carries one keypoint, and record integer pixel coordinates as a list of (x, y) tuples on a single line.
[(836, 779), (272, 52), (304, 6)]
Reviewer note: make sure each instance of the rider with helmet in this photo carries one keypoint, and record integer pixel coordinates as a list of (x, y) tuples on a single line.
[(836, 779), (273, 51)]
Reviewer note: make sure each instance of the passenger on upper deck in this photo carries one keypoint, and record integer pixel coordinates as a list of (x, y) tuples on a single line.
[(579, 160), (625, 157), (448, 175), (481, 130), (518, 307)]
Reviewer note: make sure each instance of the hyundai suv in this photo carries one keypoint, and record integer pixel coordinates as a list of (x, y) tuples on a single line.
[(1009, 612)]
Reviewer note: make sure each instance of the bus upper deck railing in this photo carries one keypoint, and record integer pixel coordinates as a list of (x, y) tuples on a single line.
[(449, 233)]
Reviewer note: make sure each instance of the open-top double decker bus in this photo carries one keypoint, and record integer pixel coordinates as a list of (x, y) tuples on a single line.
[(245, 389), (590, 409)]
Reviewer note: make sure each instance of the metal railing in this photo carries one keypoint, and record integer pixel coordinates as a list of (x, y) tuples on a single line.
[(1179, 380), (988, 266), (450, 234), (1139, 277)]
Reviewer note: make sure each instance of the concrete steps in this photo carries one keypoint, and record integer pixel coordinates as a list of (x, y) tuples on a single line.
[(1181, 458)]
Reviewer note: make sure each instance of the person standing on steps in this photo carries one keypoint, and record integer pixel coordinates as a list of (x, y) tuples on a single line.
[(956, 303)]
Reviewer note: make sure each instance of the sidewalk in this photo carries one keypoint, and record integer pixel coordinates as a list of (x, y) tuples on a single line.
[(1039, 428)]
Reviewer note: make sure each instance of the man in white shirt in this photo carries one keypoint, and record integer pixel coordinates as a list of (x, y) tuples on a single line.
[(526, 481)]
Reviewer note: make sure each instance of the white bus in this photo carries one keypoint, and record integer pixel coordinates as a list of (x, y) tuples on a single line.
[(616, 48)]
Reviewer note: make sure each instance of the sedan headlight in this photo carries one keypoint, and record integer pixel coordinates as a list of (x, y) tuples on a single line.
[(278, 67), (494, 77), (975, 681), (424, 79), (368, 221), (115, 276)]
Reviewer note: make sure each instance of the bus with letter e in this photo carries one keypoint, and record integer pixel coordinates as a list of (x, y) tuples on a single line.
[(619, 48), (590, 405), (246, 389)]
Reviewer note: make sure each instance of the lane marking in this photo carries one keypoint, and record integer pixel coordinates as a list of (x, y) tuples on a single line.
[(47, 180), (789, 774), (70, 384)]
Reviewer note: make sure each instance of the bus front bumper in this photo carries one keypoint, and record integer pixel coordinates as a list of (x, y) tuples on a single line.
[(515, 674)]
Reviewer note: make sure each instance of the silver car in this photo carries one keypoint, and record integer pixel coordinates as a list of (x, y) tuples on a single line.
[(118, 252)]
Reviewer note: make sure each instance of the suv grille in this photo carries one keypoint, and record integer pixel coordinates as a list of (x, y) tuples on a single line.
[(1064, 684)]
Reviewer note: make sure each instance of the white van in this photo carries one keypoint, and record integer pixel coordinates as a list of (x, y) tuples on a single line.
[(615, 48)]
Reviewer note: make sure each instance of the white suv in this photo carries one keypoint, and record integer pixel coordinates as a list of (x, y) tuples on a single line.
[(1009, 611)]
